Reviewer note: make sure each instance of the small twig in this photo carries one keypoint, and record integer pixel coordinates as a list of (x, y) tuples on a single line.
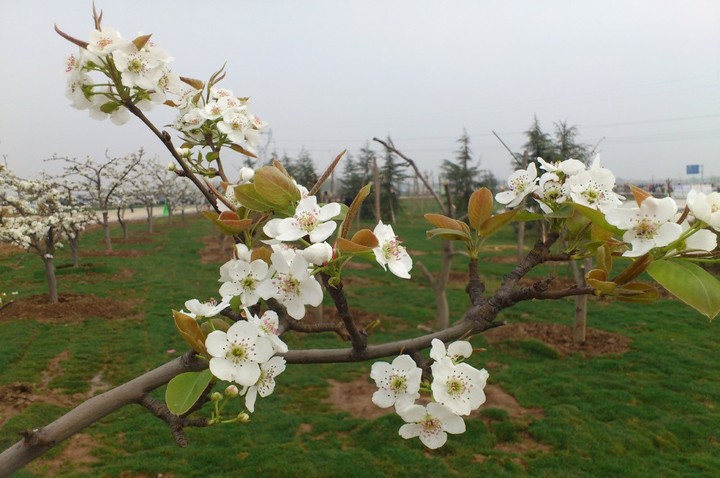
[(175, 422), (357, 338)]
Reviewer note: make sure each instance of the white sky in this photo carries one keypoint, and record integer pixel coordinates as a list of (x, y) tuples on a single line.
[(328, 75)]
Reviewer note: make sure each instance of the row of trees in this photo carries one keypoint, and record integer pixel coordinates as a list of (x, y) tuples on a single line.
[(40, 215)]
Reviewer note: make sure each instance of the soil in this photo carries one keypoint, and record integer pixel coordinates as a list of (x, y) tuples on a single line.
[(16, 397), (559, 337), (217, 249), (70, 308)]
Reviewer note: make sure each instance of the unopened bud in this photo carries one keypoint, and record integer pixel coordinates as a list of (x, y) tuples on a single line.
[(243, 417), (216, 397), (232, 391), (171, 166)]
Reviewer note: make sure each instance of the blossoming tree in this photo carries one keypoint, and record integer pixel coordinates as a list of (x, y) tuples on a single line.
[(291, 250), (33, 217)]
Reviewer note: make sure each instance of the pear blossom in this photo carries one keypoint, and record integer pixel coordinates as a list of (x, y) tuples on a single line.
[(398, 383), (431, 424), (105, 41), (318, 253), (521, 183), (456, 351), (701, 241), (309, 220), (265, 384), (649, 226), (236, 355), (292, 285), (141, 68), (567, 167), (389, 253), (551, 192), (268, 326), (244, 280), (594, 188), (458, 387), (705, 207), (205, 309)]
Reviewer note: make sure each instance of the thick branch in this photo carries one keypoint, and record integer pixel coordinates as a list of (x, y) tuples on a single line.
[(37, 442)]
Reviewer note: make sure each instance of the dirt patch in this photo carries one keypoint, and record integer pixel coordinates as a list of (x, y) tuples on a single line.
[(525, 444), (496, 397), (76, 456), (70, 308), (217, 249), (559, 337), (356, 398), (7, 250)]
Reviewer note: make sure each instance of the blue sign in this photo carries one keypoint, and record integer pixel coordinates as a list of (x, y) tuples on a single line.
[(692, 169)]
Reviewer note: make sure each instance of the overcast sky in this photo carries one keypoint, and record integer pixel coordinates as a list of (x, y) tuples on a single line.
[(642, 78)]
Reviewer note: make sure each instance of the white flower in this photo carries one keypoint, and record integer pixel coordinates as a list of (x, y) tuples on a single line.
[(105, 41), (551, 192), (593, 188), (246, 175), (648, 226), (142, 68), (292, 285), (390, 253), (319, 253), (567, 167), (431, 424), (309, 219), (205, 309), (521, 183), (234, 124), (237, 353), (268, 327), (456, 351), (244, 279), (458, 387), (398, 383), (703, 240), (705, 207), (266, 383)]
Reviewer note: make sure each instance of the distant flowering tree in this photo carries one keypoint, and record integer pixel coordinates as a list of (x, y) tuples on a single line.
[(291, 250), (33, 217)]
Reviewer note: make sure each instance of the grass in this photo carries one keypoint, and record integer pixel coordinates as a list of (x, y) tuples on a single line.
[(650, 412)]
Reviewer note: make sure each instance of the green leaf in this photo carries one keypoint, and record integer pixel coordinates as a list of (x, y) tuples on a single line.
[(689, 283), (449, 234), (185, 389), (480, 207), (493, 225), (249, 197), (275, 187), (597, 218)]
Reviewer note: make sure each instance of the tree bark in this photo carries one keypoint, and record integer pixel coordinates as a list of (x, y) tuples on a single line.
[(74, 247), (51, 279), (149, 210), (106, 231)]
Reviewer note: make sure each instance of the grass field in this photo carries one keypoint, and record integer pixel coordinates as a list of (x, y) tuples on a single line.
[(651, 411)]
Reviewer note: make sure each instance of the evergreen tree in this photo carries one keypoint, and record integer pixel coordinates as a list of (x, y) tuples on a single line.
[(301, 169), (539, 144), (567, 145), (392, 175), (462, 177)]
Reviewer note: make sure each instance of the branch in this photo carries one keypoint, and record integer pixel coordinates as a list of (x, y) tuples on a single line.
[(175, 422), (38, 441), (358, 338)]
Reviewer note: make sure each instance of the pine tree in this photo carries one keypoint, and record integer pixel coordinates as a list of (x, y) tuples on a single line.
[(567, 145), (392, 175), (539, 144), (461, 176)]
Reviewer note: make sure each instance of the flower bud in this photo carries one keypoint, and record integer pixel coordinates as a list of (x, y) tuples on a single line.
[(243, 417), (246, 174), (216, 397), (319, 253), (171, 166), (232, 391)]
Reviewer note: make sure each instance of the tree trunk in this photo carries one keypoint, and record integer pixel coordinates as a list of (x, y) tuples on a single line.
[(51, 279), (74, 246), (123, 224), (440, 287), (106, 231), (149, 210), (376, 186), (580, 323)]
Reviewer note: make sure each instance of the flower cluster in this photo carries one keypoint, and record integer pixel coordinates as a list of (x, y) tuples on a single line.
[(285, 270), (653, 224), (456, 388), (110, 73)]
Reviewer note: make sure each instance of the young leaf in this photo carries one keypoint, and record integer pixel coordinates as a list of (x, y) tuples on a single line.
[(597, 218), (275, 187), (493, 225), (354, 210), (690, 283), (327, 173), (190, 331), (639, 194), (249, 197), (480, 207), (449, 234), (141, 41), (185, 389), (444, 222)]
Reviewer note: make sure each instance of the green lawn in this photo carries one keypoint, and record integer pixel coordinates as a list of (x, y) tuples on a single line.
[(651, 412)]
